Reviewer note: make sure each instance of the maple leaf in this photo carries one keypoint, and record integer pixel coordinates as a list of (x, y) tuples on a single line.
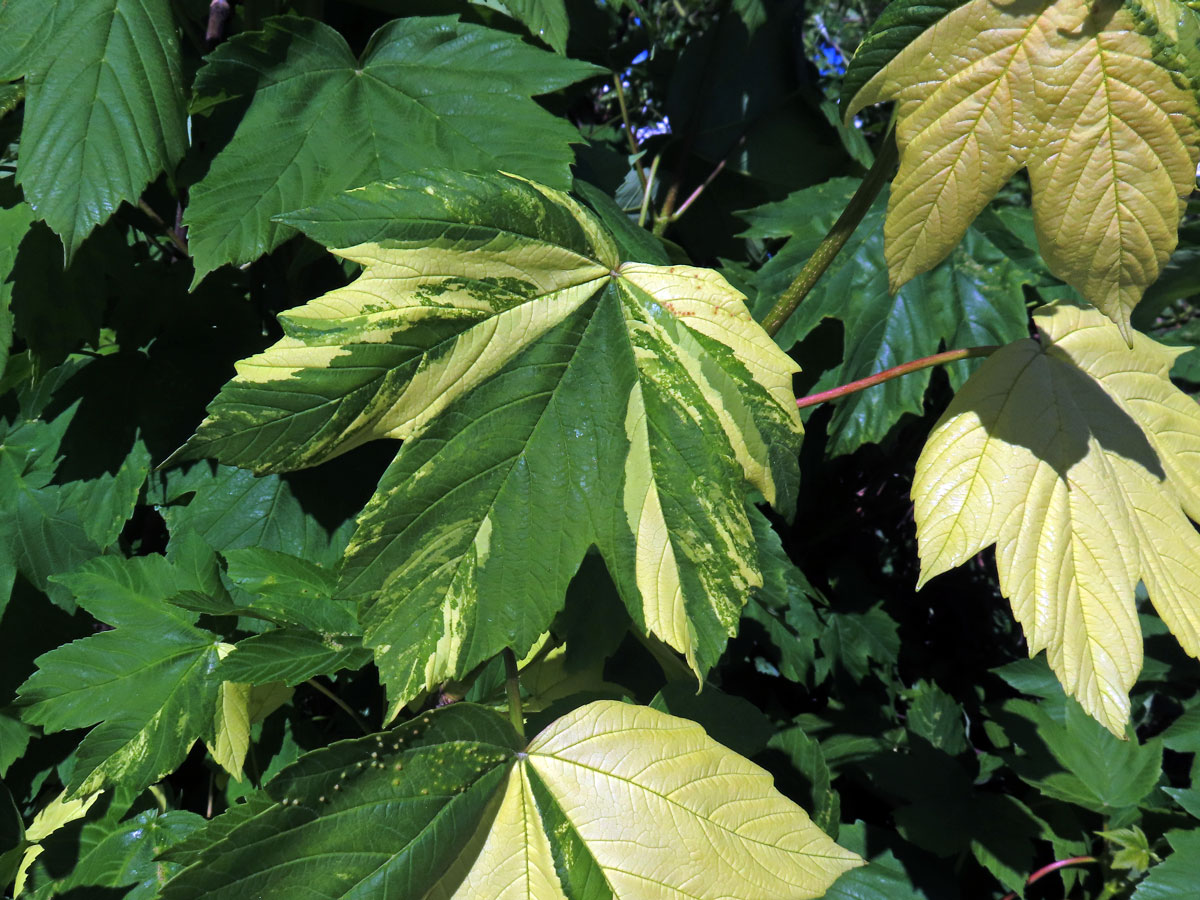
[(1093, 99), (552, 396), (1078, 458), (612, 800)]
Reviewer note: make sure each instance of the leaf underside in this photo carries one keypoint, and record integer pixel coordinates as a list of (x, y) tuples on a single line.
[(1078, 458), (1089, 97), (551, 397)]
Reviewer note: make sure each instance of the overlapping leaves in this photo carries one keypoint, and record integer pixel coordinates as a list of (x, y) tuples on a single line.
[(610, 801), (104, 104), (1077, 457), (974, 297), (149, 685), (551, 397), (426, 92), (1094, 99)]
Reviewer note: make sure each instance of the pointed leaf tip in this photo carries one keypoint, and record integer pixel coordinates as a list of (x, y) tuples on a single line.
[(1077, 457), (1071, 91)]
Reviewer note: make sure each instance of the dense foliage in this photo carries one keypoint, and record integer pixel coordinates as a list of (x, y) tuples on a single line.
[(401, 496)]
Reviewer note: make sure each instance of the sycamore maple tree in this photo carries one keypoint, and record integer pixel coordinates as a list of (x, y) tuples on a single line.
[(404, 490)]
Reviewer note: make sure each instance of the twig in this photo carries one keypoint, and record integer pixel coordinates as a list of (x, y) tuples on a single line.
[(691, 198), (339, 703), (915, 365), (835, 240), (172, 235), (629, 134), (645, 209), (218, 14)]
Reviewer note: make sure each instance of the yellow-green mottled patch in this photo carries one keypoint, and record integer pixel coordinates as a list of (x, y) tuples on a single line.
[(551, 398)]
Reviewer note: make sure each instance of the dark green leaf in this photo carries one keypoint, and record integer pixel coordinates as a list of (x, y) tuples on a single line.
[(46, 528), (819, 798), (1003, 832), (104, 109), (426, 92), (123, 855), (232, 509), (974, 298), (636, 244), (1176, 876), (1094, 769), (379, 816), (148, 685), (290, 590), (545, 18), (1183, 735), (14, 735), (784, 604), (853, 640), (15, 219), (291, 655), (936, 716)]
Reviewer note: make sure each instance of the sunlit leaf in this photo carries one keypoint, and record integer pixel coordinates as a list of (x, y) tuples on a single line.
[(551, 397), (231, 725), (1078, 458), (1093, 99), (612, 800)]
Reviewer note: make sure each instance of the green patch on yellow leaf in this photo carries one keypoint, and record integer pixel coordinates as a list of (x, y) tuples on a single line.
[(1096, 100), (1077, 457)]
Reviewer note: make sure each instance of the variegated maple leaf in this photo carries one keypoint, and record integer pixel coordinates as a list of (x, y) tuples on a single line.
[(552, 396)]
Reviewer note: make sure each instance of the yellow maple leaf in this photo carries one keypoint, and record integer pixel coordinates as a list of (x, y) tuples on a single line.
[(1074, 92), (1078, 458), (641, 805)]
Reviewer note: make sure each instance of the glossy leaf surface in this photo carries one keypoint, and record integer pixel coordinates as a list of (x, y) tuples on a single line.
[(148, 685), (426, 92), (551, 397), (610, 801), (104, 104)]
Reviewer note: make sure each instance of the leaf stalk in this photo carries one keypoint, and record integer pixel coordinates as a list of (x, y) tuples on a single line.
[(914, 365), (512, 687), (339, 703), (1050, 868), (629, 133), (833, 242)]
